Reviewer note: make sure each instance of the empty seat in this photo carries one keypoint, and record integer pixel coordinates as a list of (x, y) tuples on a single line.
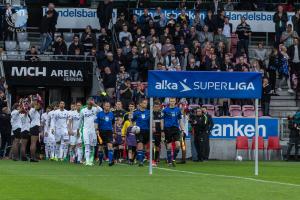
[(235, 110), (241, 144), (68, 37), (274, 145), (24, 46), (248, 111), (193, 106), (22, 36), (210, 109), (261, 145), (10, 45), (12, 55)]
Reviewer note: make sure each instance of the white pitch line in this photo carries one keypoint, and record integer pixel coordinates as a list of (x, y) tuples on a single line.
[(228, 176)]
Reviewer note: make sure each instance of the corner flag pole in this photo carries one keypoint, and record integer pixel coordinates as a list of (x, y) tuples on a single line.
[(256, 137), (151, 136)]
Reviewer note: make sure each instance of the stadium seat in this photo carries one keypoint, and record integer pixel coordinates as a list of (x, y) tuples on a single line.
[(261, 145), (12, 55), (24, 46), (10, 45), (193, 106), (68, 37), (210, 109), (22, 36), (273, 145), (235, 110), (242, 144), (248, 111), (68, 44)]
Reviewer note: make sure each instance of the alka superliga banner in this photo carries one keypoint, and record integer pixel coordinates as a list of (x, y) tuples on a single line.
[(234, 85)]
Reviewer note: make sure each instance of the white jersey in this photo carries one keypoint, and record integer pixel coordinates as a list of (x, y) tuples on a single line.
[(74, 116), (88, 116), (35, 117), (59, 120), (25, 120), (44, 122), (15, 120)]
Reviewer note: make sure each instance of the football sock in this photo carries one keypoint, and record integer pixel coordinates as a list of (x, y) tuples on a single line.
[(169, 156), (87, 153), (100, 155), (176, 153), (110, 155)]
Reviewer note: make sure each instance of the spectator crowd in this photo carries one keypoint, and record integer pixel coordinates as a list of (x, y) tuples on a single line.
[(136, 44)]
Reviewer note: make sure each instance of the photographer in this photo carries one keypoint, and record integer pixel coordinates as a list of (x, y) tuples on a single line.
[(294, 126), (200, 125)]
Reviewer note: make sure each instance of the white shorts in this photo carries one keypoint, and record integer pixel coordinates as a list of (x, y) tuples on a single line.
[(89, 137), (50, 138), (61, 135), (74, 139)]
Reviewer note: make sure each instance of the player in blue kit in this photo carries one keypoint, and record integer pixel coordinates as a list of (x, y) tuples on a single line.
[(141, 118), (173, 127), (104, 127)]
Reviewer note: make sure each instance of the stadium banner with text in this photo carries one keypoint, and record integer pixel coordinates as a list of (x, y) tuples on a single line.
[(45, 73), (259, 21), (184, 84), (231, 127), (17, 22), (78, 18)]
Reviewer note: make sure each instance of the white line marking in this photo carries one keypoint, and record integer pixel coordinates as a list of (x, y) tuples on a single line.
[(228, 176)]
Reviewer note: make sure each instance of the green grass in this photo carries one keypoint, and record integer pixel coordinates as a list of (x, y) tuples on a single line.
[(52, 180)]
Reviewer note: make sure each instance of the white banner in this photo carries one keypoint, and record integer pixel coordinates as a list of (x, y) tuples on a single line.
[(260, 21), (78, 18)]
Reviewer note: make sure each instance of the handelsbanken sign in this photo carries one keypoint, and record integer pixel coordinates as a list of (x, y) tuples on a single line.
[(50, 73), (239, 85)]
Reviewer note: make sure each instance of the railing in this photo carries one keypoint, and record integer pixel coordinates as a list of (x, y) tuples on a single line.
[(13, 2), (284, 130)]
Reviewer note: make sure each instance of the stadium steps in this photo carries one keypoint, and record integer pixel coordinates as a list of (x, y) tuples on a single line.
[(283, 105)]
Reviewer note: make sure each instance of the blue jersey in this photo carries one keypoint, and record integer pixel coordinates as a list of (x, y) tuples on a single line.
[(142, 119), (171, 117), (105, 121)]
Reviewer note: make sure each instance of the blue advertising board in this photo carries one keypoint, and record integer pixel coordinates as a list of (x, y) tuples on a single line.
[(230, 127), (238, 85)]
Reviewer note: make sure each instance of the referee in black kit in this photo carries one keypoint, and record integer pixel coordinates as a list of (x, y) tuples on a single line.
[(208, 131), (200, 125)]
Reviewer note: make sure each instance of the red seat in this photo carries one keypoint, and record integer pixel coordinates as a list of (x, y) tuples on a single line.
[(273, 145), (261, 144), (242, 144)]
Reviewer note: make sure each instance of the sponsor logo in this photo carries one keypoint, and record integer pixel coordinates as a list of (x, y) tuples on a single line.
[(182, 86), (236, 129), (166, 85), (67, 75)]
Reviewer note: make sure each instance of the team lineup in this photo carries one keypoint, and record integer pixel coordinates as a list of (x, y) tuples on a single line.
[(90, 134)]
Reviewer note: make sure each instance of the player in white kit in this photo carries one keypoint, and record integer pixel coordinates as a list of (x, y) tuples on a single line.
[(35, 123), (25, 134), (75, 149), (46, 129), (87, 118), (59, 126), (50, 134)]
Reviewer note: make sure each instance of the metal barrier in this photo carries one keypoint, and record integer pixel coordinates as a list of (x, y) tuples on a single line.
[(49, 57), (284, 130)]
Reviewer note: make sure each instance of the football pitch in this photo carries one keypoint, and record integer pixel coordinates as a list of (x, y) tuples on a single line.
[(209, 180)]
